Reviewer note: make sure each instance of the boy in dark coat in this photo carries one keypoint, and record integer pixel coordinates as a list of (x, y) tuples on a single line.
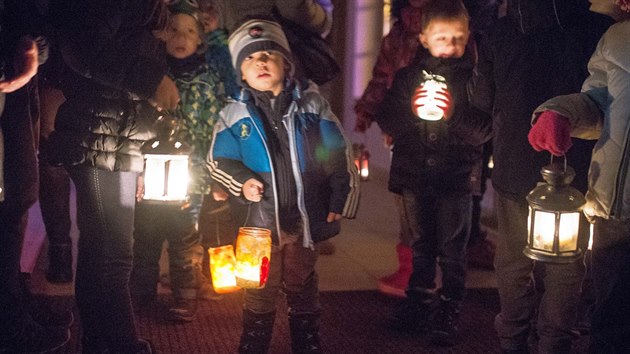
[(432, 164)]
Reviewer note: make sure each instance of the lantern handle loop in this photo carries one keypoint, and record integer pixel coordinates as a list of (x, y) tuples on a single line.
[(565, 161)]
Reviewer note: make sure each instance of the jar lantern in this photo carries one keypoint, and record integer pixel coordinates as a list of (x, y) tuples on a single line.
[(222, 264), (253, 253)]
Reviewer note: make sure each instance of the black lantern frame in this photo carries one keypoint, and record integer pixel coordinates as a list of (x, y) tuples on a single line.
[(556, 225)]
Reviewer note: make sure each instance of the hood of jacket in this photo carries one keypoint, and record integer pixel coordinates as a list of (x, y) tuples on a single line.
[(534, 16)]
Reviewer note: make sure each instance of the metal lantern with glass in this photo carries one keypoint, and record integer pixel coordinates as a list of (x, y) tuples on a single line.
[(166, 164), (555, 224)]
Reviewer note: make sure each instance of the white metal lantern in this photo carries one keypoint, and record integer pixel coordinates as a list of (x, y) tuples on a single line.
[(429, 101), (556, 225), (166, 168)]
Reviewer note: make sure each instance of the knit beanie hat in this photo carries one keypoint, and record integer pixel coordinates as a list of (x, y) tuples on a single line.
[(255, 36)]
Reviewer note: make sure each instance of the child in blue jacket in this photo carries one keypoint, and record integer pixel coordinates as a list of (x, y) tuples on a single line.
[(282, 156)]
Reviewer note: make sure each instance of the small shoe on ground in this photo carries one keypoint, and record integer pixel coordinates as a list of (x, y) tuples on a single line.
[(40, 309), (444, 324), (326, 247), (31, 337), (394, 284), (183, 310)]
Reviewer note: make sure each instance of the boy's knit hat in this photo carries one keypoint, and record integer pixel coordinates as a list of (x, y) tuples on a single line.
[(255, 36)]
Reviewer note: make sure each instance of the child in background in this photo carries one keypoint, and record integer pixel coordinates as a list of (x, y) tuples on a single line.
[(281, 155), (218, 54), (432, 164), (202, 97)]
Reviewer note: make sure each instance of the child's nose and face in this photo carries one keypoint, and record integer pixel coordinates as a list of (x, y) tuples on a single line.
[(264, 71), (445, 38), (182, 36)]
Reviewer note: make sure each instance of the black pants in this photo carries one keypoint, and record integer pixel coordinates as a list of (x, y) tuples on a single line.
[(155, 224), (19, 126), (611, 281)]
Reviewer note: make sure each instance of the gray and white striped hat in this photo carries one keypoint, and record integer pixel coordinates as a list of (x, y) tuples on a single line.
[(255, 36)]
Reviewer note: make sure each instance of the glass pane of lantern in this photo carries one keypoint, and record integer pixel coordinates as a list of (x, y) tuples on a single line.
[(178, 178), (169, 169), (544, 228), (154, 176), (568, 235)]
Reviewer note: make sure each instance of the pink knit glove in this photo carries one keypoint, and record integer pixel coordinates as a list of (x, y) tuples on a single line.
[(551, 132)]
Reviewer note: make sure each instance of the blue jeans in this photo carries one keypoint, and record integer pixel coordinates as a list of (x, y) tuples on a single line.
[(441, 227), (556, 309), (292, 271), (156, 223), (105, 214), (611, 278)]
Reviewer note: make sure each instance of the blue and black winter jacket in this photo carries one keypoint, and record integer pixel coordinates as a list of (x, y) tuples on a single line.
[(322, 165)]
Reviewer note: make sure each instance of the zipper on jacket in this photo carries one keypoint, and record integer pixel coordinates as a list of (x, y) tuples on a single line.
[(273, 180), (297, 176)]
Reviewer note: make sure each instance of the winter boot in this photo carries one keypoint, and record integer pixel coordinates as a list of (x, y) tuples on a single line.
[(59, 263), (305, 333), (257, 329), (395, 284), (40, 310), (183, 310), (24, 335), (445, 322), (412, 314)]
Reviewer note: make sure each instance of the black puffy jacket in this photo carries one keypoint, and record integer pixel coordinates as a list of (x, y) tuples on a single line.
[(433, 154), (115, 65)]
